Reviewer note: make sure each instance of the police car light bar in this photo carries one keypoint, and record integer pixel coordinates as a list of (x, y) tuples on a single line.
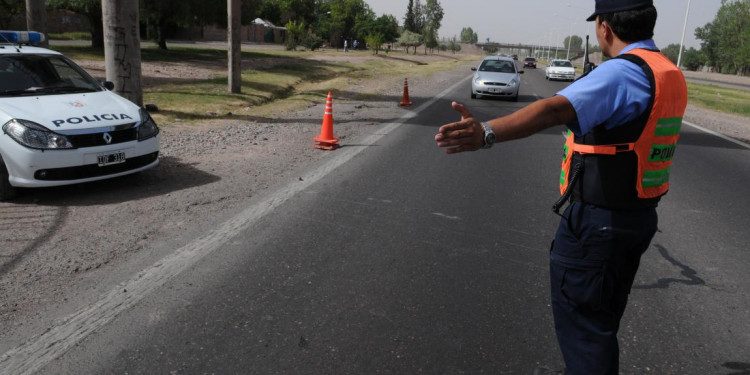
[(18, 37)]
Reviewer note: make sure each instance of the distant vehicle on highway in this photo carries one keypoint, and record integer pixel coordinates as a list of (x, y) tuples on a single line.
[(496, 76), (61, 126), (529, 62), (560, 69)]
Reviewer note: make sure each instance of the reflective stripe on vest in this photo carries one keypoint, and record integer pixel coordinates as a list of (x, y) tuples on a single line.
[(656, 145)]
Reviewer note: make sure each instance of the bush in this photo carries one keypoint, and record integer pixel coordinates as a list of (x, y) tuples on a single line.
[(295, 32), (490, 49), (311, 41), (374, 41)]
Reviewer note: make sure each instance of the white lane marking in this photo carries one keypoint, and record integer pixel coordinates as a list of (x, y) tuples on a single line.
[(446, 216), (42, 349), (730, 139), (380, 200)]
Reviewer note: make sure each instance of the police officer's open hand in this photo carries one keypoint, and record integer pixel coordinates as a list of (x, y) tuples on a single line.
[(464, 135)]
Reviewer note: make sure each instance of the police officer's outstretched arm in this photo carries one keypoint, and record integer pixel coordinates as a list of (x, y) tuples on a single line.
[(468, 134)]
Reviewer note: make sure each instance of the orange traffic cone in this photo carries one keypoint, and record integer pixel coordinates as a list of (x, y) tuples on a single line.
[(325, 140), (405, 102)]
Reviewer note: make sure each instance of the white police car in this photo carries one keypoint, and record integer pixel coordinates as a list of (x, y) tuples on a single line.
[(60, 125)]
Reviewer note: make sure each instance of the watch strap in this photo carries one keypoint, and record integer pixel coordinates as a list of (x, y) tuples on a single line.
[(489, 135)]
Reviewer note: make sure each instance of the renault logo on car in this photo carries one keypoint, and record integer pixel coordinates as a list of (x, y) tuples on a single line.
[(107, 138)]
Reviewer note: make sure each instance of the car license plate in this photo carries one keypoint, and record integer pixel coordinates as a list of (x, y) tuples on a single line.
[(493, 90), (111, 158)]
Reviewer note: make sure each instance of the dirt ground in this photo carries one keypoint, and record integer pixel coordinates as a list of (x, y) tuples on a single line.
[(61, 247)]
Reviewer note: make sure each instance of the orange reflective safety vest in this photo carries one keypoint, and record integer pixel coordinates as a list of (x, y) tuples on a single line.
[(628, 166)]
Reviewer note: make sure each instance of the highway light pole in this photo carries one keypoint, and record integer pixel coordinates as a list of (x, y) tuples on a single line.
[(682, 41), (570, 39), (549, 45)]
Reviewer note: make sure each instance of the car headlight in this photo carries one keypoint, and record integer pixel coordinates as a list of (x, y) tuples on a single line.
[(478, 80), (512, 83), (33, 135), (148, 127)]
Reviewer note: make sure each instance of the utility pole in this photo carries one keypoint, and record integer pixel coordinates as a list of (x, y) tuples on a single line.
[(682, 40), (36, 19), (122, 48), (235, 49)]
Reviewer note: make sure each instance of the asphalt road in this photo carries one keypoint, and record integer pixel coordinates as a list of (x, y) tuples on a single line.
[(404, 260)]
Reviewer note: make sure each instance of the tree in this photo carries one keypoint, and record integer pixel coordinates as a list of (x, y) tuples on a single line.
[(419, 17), (388, 26), (91, 9), (374, 41), (692, 59), (725, 42), (234, 54), (409, 20), (295, 32), (468, 35), (8, 10), (345, 16), (270, 10), (385, 26), (122, 48), (410, 39), (297, 10), (433, 18), (575, 42), (160, 16), (671, 51), (36, 18), (452, 45)]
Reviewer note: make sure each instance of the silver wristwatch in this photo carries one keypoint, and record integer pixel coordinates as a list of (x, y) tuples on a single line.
[(489, 135)]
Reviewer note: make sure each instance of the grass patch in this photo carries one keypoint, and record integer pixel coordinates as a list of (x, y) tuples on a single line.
[(149, 53), (79, 52), (76, 35), (719, 98), (281, 80), (291, 80), (210, 99)]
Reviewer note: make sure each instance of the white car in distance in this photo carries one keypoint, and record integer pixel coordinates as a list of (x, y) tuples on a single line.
[(560, 69)]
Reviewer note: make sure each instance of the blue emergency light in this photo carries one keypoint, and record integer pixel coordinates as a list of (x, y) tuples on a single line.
[(19, 37)]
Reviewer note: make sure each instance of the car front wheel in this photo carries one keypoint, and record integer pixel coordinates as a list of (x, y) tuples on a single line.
[(7, 191)]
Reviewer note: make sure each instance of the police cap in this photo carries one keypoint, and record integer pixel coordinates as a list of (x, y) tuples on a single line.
[(612, 6)]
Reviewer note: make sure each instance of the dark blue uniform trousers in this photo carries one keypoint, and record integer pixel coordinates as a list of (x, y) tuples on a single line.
[(593, 261)]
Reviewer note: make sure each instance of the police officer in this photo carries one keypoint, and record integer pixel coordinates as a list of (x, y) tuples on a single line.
[(623, 120)]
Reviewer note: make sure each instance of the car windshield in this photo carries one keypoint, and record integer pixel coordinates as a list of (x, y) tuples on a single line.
[(566, 64), (43, 75), (530, 59), (498, 66)]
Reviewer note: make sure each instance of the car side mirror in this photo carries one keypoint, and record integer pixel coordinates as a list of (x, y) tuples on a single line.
[(108, 85), (474, 68), (520, 72)]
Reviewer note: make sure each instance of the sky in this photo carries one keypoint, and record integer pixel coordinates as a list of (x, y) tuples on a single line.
[(551, 21)]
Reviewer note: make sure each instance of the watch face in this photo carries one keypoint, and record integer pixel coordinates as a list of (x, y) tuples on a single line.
[(489, 139)]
